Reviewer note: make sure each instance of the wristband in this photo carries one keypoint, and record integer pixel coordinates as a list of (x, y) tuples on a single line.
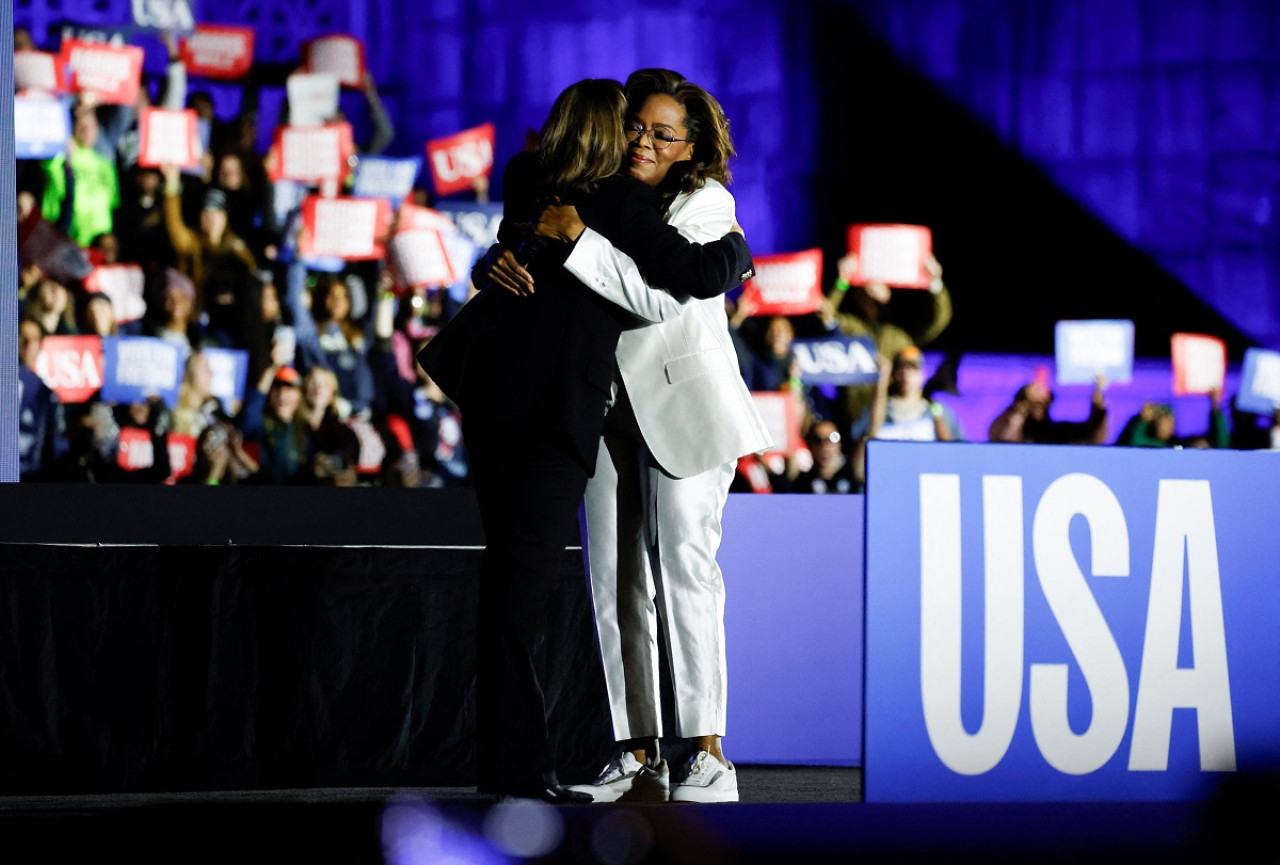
[(841, 285)]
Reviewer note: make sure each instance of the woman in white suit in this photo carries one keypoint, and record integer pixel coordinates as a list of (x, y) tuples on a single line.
[(681, 419)]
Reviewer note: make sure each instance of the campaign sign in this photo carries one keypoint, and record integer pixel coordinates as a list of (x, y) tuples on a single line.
[(781, 418), (892, 254), (1046, 622), (111, 72), (788, 284), (218, 51), (182, 456), (313, 98), (229, 368), (347, 228), (456, 161), (1085, 349), (836, 360), (411, 217), (1259, 382), (339, 55), (385, 177), (71, 366), (168, 138), (136, 449), (123, 284), (477, 220), (1199, 363), (311, 154), (419, 258), (175, 16), (41, 127), (35, 70), (138, 367)]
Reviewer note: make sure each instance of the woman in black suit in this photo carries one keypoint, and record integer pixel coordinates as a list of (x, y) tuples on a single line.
[(532, 376)]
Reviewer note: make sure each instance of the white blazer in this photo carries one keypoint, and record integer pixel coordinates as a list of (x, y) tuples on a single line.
[(681, 372)]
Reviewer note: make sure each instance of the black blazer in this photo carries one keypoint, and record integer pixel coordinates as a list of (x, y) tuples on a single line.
[(544, 364)]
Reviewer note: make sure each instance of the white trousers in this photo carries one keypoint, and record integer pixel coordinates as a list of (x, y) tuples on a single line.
[(651, 556)]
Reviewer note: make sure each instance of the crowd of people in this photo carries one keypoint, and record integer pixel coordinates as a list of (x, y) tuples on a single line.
[(331, 392)]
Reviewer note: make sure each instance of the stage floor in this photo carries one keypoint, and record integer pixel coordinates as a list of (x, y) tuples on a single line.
[(788, 814)]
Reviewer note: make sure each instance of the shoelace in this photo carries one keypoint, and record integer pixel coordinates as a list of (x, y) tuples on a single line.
[(616, 769), (699, 764)]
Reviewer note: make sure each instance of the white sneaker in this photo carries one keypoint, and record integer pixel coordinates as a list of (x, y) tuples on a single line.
[(709, 781), (626, 779)]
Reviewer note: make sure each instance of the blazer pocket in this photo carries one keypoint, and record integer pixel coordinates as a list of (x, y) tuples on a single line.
[(691, 366)]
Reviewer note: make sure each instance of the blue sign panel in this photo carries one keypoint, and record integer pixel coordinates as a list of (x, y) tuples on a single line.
[(836, 360), (1084, 350), (138, 367), (41, 127), (1068, 623), (229, 367), (386, 177), (1259, 382)]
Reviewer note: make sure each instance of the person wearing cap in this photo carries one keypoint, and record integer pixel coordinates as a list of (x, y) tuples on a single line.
[(211, 248), (902, 412), (271, 418)]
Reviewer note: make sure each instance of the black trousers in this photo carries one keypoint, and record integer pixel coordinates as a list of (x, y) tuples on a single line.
[(529, 488)]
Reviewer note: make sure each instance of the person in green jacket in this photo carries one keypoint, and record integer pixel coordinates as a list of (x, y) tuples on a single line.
[(1153, 427), (97, 190)]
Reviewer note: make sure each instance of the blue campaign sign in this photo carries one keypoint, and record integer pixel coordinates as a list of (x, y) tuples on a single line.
[(138, 367), (1259, 382), (41, 127), (1086, 349), (1068, 623), (836, 360), (477, 220), (175, 16), (385, 177), (229, 368)]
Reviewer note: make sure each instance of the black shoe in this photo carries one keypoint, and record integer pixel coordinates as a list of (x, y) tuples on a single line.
[(553, 794)]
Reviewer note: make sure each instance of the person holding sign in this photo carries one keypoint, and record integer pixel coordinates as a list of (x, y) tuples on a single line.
[(532, 375), (870, 316), (681, 419)]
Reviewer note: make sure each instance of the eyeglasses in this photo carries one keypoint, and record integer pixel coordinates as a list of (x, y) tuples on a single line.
[(661, 138)]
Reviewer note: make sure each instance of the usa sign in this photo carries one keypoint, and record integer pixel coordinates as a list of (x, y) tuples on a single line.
[(458, 160), (1067, 623)]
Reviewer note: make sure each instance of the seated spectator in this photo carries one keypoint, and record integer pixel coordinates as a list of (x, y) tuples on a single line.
[(902, 412), (329, 336), (337, 448), (250, 215), (97, 315), (1153, 427), (96, 188), (271, 421), (1027, 419), (197, 407), (139, 222), (173, 317), (38, 417), (772, 364), (220, 457), (212, 248), (50, 305), (831, 471)]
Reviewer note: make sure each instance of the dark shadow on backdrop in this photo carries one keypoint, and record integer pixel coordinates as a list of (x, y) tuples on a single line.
[(1019, 254)]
